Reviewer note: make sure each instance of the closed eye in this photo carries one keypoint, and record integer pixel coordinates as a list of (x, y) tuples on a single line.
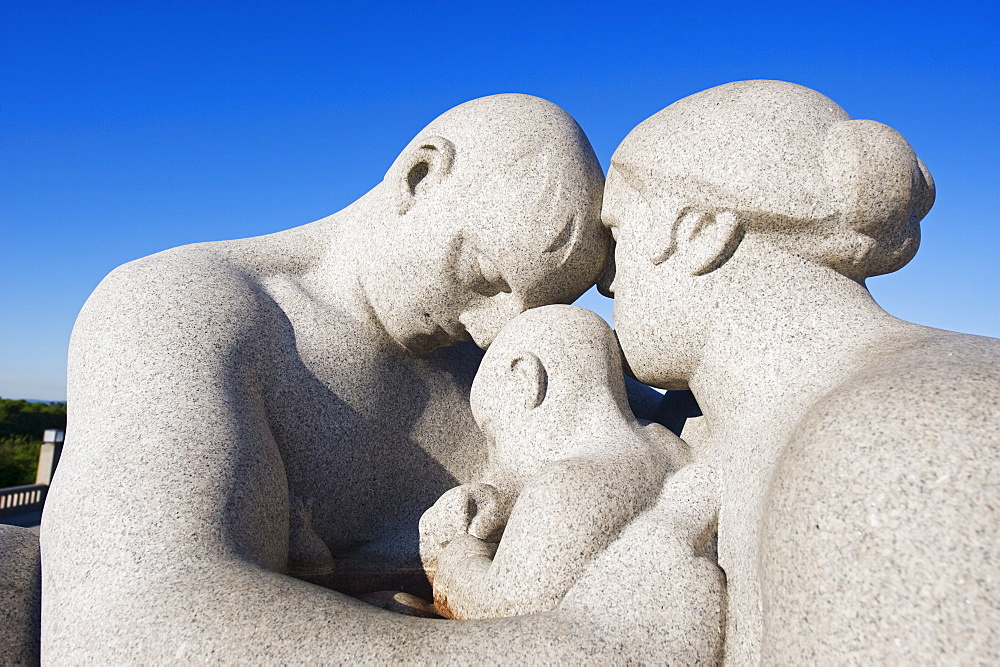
[(488, 280), (479, 273), (565, 240)]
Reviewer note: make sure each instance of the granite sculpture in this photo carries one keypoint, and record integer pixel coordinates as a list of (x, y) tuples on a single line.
[(857, 454), (571, 468), (258, 424), (257, 427)]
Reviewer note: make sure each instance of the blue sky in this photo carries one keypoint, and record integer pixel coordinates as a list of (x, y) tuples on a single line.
[(130, 127)]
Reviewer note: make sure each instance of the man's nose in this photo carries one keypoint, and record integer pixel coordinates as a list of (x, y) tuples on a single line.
[(606, 281), (510, 308), (486, 322)]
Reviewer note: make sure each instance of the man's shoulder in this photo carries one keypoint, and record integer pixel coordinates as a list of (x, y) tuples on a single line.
[(185, 268), (185, 302), (175, 284)]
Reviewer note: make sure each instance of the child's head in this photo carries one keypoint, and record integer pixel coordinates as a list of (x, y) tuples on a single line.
[(548, 369)]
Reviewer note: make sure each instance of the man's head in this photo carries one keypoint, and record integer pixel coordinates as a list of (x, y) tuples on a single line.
[(548, 371), (764, 158), (495, 209)]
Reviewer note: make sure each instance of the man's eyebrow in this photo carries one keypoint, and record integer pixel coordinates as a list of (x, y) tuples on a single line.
[(567, 237)]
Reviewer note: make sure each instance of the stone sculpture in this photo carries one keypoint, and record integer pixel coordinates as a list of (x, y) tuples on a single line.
[(257, 426), (550, 395), (246, 410), (857, 454)]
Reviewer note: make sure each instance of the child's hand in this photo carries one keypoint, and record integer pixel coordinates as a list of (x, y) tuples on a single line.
[(470, 509), (459, 572)]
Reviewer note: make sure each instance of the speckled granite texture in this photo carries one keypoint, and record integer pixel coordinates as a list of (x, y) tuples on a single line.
[(20, 595), (258, 424), (580, 470), (256, 427), (856, 454)]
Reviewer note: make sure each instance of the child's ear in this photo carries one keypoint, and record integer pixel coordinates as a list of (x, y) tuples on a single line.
[(528, 376)]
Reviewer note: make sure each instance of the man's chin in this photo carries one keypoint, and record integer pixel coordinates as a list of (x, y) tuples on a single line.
[(483, 342), (422, 345), (481, 339)]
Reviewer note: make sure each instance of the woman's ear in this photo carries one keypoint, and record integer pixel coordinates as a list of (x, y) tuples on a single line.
[(698, 239), (707, 239), (420, 168), (529, 379)]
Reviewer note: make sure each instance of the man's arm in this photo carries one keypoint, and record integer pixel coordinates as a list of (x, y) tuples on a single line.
[(166, 532)]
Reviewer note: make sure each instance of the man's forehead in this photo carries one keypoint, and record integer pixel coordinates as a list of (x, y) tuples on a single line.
[(551, 234), (537, 210), (528, 181), (537, 217)]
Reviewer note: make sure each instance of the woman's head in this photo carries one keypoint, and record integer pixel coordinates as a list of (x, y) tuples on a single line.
[(789, 164)]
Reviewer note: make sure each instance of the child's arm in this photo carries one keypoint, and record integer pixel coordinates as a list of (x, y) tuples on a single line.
[(476, 510), (563, 517)]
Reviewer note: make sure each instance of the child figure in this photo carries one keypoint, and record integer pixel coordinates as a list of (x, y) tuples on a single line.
[(571, 464)]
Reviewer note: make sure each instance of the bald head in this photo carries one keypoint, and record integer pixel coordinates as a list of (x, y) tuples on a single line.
[(532, 177), (492, 209), (494, 133)]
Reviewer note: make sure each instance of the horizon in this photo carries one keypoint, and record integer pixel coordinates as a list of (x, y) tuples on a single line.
[(129, 129)]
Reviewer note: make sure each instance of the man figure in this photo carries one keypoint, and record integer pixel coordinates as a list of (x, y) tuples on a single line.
[(245, 410), (857, 454)]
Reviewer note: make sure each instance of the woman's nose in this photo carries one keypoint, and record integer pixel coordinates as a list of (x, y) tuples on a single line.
[(606, 281)]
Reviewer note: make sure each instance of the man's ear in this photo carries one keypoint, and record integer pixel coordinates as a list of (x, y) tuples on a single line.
[(529, 379), (704, 240), (420, 168)]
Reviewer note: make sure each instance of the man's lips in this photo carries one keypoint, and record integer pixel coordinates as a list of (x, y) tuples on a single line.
[(455, 331), (438, 337)]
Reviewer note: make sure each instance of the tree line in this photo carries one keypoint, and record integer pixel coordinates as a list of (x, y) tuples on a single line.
[(21, 427)]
